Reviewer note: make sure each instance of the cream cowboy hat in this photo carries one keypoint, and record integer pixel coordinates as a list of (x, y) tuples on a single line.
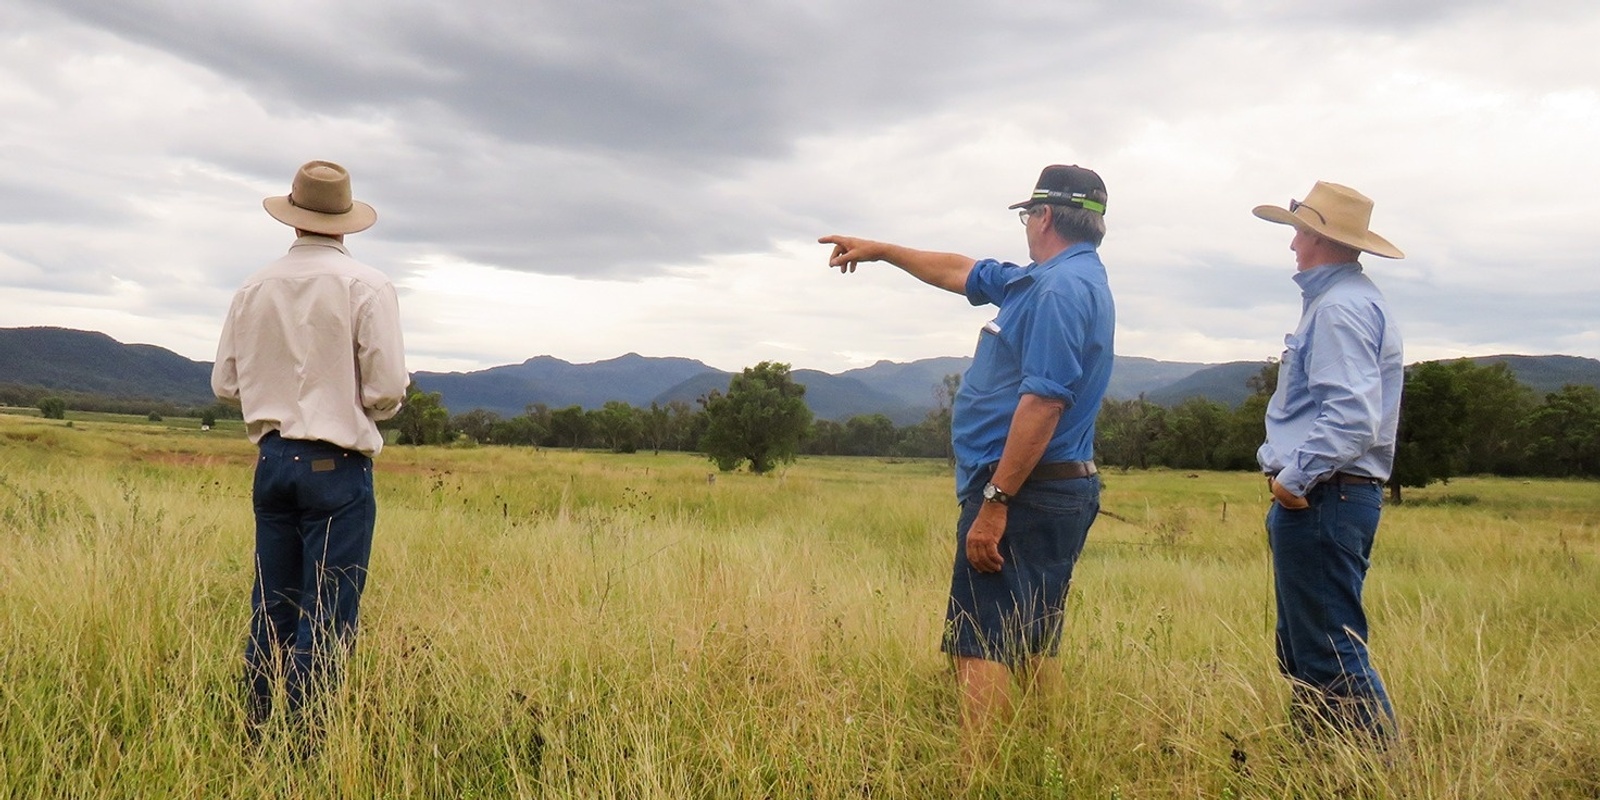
[(319, 202), (1334, 212)]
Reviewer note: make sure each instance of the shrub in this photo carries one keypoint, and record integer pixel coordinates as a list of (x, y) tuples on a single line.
[(53, 408)]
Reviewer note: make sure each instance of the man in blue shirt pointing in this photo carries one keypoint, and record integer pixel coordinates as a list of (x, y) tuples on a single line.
[(1023, 431), (1330, 448)]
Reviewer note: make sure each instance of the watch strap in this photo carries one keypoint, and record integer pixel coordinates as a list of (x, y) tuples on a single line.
[(994, 494)]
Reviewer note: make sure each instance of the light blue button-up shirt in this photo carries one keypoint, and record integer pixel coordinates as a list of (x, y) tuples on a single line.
[(1053, 338), (1337, 404)]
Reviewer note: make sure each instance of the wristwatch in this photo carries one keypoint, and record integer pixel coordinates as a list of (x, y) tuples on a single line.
[(993, 494)]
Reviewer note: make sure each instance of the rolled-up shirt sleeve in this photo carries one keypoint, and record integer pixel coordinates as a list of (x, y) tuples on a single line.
[(1051, 344), (986, 282)]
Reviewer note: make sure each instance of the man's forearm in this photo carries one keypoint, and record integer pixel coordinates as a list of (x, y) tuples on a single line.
[(1032, 425), (947, 271)]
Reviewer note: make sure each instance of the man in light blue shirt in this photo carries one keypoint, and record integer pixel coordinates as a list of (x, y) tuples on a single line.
[(1330, 448), (1023, 431)]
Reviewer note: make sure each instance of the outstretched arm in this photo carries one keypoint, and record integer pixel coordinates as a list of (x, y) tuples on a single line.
[(947, 271)]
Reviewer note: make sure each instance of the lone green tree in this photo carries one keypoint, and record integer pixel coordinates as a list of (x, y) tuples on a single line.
[(422, 420), (53, 408), (759, 420)]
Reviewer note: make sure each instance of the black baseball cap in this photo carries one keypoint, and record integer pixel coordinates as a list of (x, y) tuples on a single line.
[(1067, 186)]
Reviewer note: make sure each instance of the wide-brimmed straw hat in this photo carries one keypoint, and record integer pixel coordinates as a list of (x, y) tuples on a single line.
[(319, 201), (1334, 212)]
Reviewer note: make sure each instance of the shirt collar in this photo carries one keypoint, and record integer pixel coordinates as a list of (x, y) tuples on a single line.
[(1316, 280), (1062, 257), (313, 240), (1075, 249)]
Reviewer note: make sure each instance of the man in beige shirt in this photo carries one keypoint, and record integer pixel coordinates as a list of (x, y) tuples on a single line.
[(312, 353)]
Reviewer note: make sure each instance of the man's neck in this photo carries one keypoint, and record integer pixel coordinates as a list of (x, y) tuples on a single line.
[(338, 237), (1050, 249), (1325, 263)]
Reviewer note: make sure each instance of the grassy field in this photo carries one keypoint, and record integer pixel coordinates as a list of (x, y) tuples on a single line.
[(558, 624)]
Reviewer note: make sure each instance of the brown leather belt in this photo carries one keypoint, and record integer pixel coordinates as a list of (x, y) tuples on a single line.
[(1340, 479), (1056, 471), (1343, 478)]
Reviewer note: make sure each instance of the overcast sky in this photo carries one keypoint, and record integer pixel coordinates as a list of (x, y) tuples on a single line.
[(589, 179)]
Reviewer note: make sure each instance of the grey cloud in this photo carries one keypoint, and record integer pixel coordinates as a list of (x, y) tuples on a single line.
[(710, 83), (51, 265), (706, 81), (583, 76), (612, 139), (24, 201), (1541, 324), (595, 139)]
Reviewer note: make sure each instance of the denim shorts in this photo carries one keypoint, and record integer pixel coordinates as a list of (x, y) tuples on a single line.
[(1016, 613)]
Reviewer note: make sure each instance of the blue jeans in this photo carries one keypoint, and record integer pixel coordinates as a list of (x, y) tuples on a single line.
[(1017, 613), (315, 513), (1320, 557)]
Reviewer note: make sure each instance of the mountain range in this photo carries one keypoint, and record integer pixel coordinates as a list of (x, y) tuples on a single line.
[(88, 362)]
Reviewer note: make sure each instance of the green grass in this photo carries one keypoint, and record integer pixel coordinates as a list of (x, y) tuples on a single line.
[(558, 624)]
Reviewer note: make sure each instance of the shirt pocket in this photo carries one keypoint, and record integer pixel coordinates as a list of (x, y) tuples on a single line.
[(991, 363), (1291, 366)]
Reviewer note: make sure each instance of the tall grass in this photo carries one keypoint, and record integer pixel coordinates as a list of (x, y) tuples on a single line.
[(557, 624)]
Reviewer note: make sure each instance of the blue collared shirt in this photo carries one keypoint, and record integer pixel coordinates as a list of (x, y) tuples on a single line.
[(1052, 338), (1337, 404)]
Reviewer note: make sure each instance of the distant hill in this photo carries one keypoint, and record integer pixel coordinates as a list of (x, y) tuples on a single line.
[(1132, 376), (905, 391), (1222, 383), (94, 363), (510, 389), (86, 362), (1226, 383), (1546, 374), (911, 383), (835, 397)]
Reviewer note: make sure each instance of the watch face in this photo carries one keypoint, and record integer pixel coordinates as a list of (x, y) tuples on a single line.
[(989, 491)]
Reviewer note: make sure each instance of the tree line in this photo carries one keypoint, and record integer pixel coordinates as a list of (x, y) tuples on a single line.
[(53, 403), (762, 420), (1456, 418)]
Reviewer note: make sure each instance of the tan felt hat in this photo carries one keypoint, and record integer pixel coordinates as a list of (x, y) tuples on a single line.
[(1334, 212), (319, 202)]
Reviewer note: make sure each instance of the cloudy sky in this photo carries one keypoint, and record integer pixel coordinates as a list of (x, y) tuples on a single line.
[(589, 179)]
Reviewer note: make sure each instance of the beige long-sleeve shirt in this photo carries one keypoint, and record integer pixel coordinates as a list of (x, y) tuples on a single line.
[(312, 348)]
